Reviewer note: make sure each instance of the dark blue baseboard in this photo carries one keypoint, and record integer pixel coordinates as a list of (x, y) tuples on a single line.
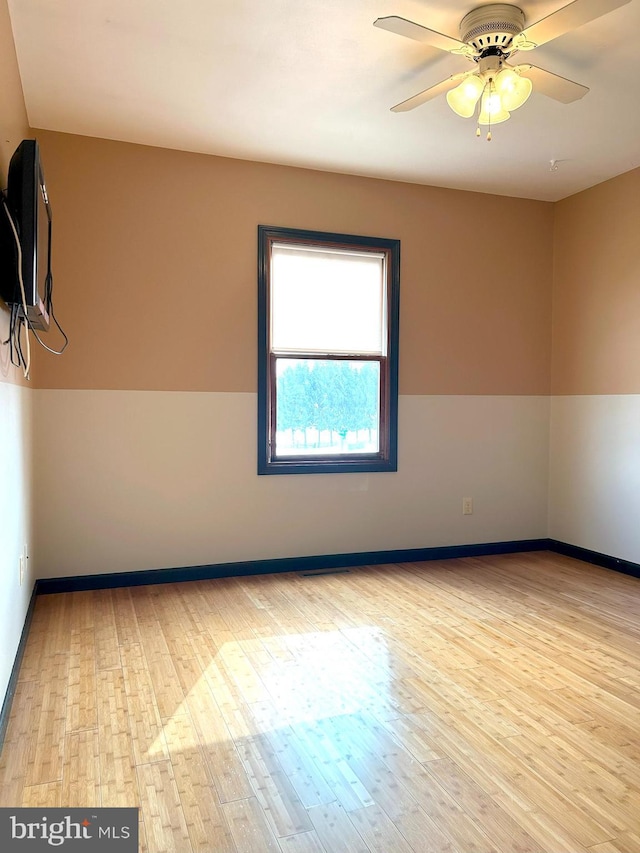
[(13, 678), (328, 561), (595, 557), (286, 564)]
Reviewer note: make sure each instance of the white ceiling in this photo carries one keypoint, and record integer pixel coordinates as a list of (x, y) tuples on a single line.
[(311, 82)]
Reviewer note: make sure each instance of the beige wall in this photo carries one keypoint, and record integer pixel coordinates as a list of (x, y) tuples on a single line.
[(596, 299), (145, 449), (15, 402), (155, 270), (594, 498), (134, 480), (13, 115)]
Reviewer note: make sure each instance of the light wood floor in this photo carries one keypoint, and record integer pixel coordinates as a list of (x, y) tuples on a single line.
[(474, 705)]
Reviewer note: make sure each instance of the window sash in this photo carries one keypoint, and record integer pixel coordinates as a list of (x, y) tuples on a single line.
[(383, 407), (349, 288)]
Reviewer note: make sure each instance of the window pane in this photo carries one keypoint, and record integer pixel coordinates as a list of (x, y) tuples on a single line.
[(327, 407), (327, 301)]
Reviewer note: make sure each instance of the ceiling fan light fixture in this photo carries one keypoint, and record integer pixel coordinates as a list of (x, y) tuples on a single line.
[(512, 89), (492, 110), (489, 36), (465, 96)]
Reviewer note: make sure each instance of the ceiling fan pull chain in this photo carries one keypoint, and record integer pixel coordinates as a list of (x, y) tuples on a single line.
[(479, 107), (491, 89)]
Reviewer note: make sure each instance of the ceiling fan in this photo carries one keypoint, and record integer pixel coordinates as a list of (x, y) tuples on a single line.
[(489, 36)]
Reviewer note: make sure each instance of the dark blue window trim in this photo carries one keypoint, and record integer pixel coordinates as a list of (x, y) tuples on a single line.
[(267, 235)]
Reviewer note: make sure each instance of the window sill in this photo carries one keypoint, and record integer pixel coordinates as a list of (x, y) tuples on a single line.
[(322, 466)]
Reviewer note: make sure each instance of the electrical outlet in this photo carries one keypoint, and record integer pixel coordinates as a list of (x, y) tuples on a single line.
[(467, 506)]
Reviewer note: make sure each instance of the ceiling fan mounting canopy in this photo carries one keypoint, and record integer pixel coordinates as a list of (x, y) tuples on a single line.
[(493, 26)]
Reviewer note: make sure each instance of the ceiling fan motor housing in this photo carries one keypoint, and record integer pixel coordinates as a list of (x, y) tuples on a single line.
[(493, 26)]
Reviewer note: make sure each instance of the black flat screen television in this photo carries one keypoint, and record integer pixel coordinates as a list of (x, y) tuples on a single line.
[(30, 211)]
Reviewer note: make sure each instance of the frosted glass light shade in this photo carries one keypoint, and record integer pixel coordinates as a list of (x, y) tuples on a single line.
[(465, 96), (491, 109), (512, 88)]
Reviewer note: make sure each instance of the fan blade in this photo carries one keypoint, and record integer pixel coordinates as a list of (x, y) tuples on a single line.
[(569, 18), (403, 27), (552, 85), (428, 94)]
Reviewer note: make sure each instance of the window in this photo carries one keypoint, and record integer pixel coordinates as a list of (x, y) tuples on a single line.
[(327, 352)]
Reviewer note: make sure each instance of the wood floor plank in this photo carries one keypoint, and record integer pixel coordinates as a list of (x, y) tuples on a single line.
[(82, 687), (551, 833), (125, 616), (274, 791), (607, 798), (347, 787), (335, 830), (304, 774), (143, 714), (448, 815), (46, 796), (37, 649), (249, 827), (106, 633), (13, 771), (81, 770), (382, 785), (303, 842), (162, 813), (378, 830), (220, 752), (412, 737), (548, 793), (626, 842), (166, 685), (500, 827), (422, 833), (118, 780), (206, 824), (479, 760), (44, 763)]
